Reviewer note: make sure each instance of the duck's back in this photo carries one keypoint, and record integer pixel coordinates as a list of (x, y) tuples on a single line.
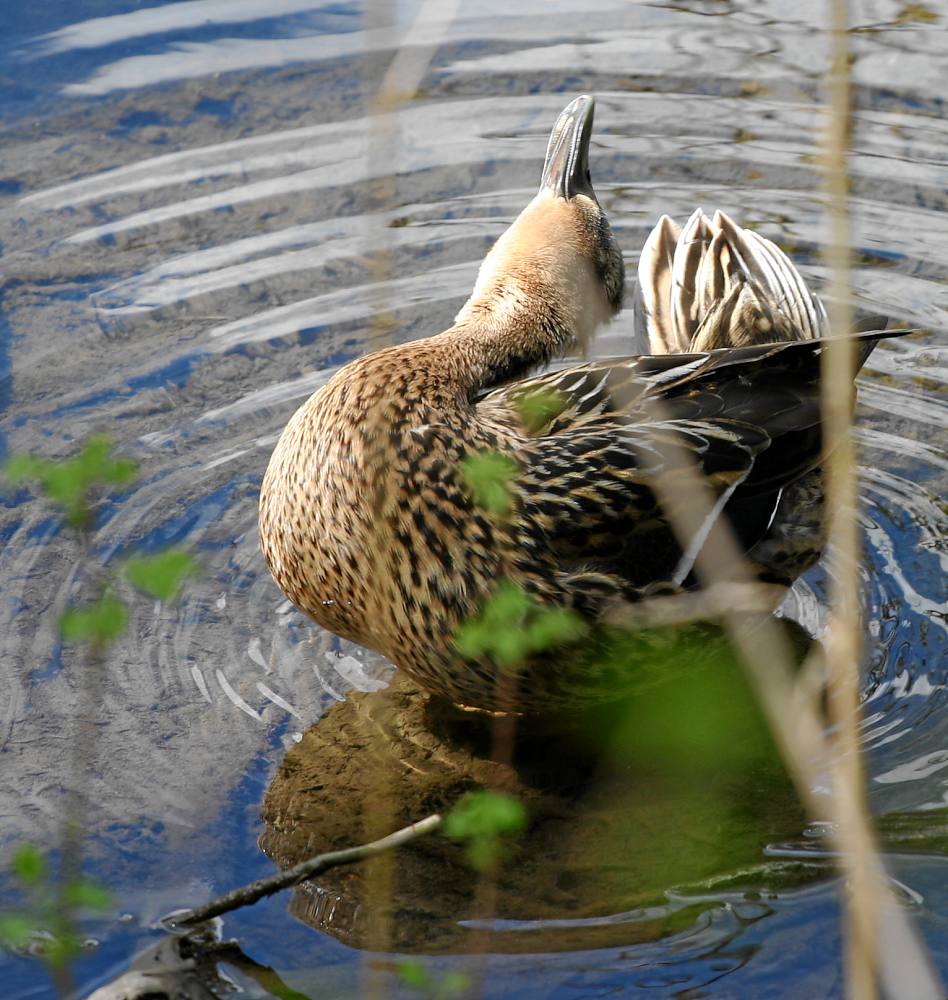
[(748, 418)]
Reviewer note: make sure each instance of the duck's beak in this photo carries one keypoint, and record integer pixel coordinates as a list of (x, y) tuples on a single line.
[(566, 170)]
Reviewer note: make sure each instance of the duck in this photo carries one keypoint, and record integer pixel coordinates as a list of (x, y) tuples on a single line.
[(371, 521)]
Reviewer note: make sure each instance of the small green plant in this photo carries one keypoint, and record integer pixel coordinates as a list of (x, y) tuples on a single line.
[(488, 475), (71, 483), (512, 626), (46, 924), (416, 977), (485, 820), (537, 407)]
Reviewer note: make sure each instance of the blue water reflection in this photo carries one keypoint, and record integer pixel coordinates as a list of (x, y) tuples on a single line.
[(188, 221)]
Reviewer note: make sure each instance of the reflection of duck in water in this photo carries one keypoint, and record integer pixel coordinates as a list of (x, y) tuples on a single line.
[(367, 520)]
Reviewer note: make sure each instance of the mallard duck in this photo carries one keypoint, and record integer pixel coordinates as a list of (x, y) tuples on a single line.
[(370, 525)]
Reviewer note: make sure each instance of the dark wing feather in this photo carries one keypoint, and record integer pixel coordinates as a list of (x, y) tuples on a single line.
[(590, 492), (749, 418), (775, 387), (618, 384)]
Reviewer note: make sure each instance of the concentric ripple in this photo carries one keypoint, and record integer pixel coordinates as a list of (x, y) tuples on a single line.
[(194, 241)]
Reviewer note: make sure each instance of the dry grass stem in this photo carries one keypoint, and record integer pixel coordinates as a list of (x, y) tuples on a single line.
[(683, 609), (793, 711), (412, 56), (843, 646)]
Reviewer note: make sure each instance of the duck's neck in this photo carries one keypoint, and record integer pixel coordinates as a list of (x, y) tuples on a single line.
[(506, 331)]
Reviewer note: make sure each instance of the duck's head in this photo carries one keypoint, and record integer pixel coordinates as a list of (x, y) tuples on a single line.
[(560, 254)]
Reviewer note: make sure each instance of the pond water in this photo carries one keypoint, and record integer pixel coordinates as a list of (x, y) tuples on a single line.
[(193, 239)]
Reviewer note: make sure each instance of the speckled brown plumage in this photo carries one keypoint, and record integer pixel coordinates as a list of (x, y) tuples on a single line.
[(367, 523)]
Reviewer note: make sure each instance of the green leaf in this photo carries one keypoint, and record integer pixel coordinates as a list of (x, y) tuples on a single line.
[(16, 929), (88, 896), (21, 467), (99, 623), (161, 576), (497, 630), (95, 464), (61, 948), (65, 487), (554, 626), (413, 975), (512, 626), (509, 605), (454, 984), (484, 813), (481, 819), (68, 483), (29, 866), (537, 407), (488, 475)]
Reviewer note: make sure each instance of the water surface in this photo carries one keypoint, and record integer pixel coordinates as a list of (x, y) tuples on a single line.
[(194, 238)]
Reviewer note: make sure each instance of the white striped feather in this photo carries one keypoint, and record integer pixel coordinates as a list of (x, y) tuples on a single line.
[(686, 274)]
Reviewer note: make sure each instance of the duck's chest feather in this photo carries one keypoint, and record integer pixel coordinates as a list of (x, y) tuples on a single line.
[(366, 522)]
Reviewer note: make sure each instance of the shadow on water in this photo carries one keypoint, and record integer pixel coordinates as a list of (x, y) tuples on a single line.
[(606, 795), (647, 817), (188, 218)]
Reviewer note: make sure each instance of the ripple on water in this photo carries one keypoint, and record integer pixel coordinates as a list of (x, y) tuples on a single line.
[(185, 284)]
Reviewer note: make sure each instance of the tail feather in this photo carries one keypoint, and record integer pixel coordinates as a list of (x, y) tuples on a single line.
[(686, 265), (715, 275), (713, 284), (653, 302)]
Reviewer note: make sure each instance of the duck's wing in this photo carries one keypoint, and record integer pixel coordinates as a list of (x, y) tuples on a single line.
[(711, 284), (757, 384), (599, 433), (586, 488), (590, 495)]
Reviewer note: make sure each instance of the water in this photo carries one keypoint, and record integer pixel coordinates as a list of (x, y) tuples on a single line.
[(188, 223)]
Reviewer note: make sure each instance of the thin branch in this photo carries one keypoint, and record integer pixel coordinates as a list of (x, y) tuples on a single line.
[(255, 891), (710, 604)]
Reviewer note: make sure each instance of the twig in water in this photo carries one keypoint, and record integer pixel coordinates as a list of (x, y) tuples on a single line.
[(263, 887)]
